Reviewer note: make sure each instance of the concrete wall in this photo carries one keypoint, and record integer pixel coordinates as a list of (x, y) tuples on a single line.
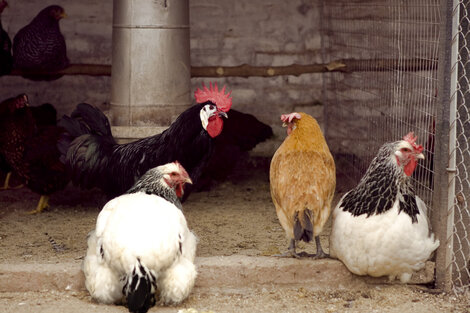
[(223, 33)]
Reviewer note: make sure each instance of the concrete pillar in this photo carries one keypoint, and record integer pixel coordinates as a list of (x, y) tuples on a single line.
[(150, 79)]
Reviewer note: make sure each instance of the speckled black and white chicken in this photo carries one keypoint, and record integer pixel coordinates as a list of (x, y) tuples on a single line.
[(40, 45), (142, 244), (381, 228)]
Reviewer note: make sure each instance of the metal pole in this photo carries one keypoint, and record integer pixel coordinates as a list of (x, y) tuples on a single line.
[(442, 213), (150, 78)]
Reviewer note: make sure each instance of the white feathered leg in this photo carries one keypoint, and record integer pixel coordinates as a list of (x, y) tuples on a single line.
[(178, 280), (102, 283)]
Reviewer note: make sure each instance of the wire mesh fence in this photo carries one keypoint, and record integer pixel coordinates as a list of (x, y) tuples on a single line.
[(372, 105), (385, 98), (460, 146)]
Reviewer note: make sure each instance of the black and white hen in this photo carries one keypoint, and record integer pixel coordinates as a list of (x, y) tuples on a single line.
[(40, 45), (142, 244), (380, 228)]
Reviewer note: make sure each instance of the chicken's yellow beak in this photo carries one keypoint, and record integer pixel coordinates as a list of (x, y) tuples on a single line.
[(420, 156)]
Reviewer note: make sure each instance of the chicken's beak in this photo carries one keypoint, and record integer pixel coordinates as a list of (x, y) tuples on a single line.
[(284, 124), (188, 181), (222, 113), (420, 156)]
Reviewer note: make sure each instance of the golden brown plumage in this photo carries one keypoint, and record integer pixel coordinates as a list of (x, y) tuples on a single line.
[(303, 181)]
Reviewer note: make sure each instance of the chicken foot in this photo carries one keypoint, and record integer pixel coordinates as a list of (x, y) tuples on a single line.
[(320, 253), (43, 203), (291, 251), (6, 184)]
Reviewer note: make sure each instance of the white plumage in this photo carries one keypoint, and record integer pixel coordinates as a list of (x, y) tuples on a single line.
[(387, 244), (140, 235), (381, 227)]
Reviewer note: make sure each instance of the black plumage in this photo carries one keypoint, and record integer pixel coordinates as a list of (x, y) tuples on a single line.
[(242, 132), (6, 59), (96, 160), (40, 45), (30, 148)]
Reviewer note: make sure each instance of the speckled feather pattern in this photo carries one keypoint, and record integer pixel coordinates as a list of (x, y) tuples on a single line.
[(302, 177), (380, 187), (40, 45), (150, 183), (30, 150)]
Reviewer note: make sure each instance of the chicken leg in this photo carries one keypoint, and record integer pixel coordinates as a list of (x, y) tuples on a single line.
[(43, 203), (6, 184), (320, 253), (291, 251)]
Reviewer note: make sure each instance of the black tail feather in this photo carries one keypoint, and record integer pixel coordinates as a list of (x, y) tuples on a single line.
[(86, 145), (140, 289), (93, 118), (305, 232)]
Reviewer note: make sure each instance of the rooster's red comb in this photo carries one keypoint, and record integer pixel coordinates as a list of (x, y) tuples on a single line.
[(219, 98), (411, 138)]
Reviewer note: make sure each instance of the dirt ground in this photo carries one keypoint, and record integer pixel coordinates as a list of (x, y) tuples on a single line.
[(235, 217)]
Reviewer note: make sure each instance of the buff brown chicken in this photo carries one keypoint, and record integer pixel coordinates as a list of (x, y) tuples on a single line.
[(303, 181)]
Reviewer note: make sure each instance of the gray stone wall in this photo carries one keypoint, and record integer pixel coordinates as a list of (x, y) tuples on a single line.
[(223, 33)]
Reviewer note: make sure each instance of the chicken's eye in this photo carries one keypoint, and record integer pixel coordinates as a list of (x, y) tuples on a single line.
[(405, 150), (173, 174)]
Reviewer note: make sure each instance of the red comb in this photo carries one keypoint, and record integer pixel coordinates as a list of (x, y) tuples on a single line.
[(219, 98), (411, 138), (287, 118)]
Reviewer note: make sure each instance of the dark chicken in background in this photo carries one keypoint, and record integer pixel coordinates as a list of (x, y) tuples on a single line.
[(95, 159), (241, 133), (7, 107), (6, 59), (30, 148), (40, 46)]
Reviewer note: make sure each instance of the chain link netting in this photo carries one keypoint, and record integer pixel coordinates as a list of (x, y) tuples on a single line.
[(386, 98), (460, 150)]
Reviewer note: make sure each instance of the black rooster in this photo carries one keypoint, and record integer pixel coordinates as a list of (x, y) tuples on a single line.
[(30, 148), (40, 45), (6, 60), (96, 160)]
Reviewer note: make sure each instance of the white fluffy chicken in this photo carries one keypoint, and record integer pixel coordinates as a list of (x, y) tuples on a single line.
[(142, 244), (380, 228)]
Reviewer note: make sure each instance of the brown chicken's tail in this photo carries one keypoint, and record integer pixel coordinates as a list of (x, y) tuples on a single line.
[(303, 227)]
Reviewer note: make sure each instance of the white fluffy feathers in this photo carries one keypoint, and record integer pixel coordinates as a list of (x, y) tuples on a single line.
[(143, 227)]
